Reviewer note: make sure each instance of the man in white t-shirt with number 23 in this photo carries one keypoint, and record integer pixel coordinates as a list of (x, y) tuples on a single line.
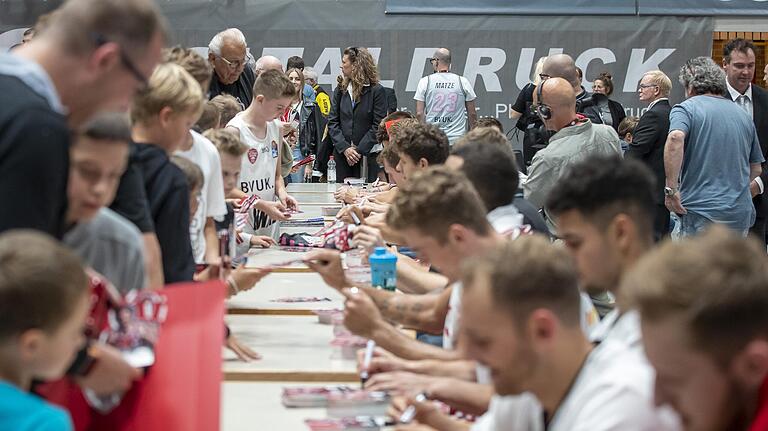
[(446, 99)]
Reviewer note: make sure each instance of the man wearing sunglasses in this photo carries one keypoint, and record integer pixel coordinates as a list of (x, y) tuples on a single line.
[(446, 99), (93, 57), (227, 53)]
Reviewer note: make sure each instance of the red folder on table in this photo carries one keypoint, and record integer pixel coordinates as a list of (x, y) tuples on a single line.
[(181, 391)]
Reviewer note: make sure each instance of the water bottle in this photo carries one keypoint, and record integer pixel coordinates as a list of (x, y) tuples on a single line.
[(331, 171), (383, 268)]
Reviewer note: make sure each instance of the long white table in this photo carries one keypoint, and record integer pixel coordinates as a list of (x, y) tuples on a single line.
[(293, 348), (312, 187), (248, 406), (260, 299)]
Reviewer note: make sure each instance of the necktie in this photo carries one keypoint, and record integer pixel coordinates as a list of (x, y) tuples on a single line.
[(744, 102)]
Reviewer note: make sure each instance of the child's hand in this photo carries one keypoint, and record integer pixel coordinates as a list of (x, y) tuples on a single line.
[(274, 210), (291, 202), (234, 202), (246, 278), (262, 241), (243, 352)]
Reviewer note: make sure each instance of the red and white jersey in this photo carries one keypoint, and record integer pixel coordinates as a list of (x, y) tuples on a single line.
[(258, 171)]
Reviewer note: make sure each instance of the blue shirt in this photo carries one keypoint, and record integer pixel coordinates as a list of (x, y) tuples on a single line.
[(309, 93), (720, 144), (22, 411)]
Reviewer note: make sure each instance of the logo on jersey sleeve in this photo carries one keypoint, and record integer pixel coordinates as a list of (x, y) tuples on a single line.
[(253, 155)]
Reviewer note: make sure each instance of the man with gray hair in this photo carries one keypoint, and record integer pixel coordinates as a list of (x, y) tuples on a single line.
[(322, 99), (227, 53), (711, 156), (446, 99)]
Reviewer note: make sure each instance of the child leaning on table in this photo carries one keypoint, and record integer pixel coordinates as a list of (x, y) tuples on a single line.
[(231, 152), (43, 305), (238, 280)]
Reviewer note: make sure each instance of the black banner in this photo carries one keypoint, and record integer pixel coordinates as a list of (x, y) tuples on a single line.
[(582, 7)]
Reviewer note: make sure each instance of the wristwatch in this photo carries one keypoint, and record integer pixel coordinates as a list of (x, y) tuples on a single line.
[(669, 191)]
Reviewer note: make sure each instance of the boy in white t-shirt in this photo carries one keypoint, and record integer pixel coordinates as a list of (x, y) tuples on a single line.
[(211, 205), (200, 151), (260, 167)]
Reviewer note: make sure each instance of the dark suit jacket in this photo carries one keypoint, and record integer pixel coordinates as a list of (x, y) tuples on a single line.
[(760, 117), (391, 100), (358, 125), (648, 142)]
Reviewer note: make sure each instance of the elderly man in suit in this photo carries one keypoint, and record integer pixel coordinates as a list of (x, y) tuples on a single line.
[(739, 65), (650, 136)]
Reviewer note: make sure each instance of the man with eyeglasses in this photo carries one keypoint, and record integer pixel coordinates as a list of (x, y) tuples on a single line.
[(227, 53), (446, 99), (650, 137), (93, 57)]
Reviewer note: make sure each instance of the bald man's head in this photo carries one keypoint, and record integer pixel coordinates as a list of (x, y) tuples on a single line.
[(562, 66), (443, 55), (558, 94), (267, 62)]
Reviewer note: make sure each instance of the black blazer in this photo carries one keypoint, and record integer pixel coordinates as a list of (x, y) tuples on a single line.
[(617, 114), (391, 100), (358, 125), (648, 142), (760, 117)]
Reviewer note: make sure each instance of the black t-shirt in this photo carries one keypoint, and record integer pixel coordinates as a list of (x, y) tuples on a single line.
[(531, 215), (34, 161), (523, 106), (242, 89), (168, 197), (131, 197)]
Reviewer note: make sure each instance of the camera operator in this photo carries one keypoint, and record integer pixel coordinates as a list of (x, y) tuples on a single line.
[(575, 138), (536, 135)]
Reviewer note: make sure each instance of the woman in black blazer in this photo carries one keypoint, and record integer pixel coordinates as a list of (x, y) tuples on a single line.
[(610, 111), (358, 106)]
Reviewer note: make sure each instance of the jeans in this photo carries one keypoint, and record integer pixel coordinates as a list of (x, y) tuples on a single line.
[(692, 224)]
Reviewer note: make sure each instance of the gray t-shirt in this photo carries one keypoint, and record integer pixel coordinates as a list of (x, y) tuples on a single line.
[(113, 247), (720, 144)]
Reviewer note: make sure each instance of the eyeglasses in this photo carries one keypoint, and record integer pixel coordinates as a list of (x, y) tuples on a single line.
[(644, 86), (432, 59), (544, 76), (236, 64), (125, 61), (353, 50)]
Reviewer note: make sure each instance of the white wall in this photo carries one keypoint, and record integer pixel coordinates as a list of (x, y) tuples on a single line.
[(741, 24)]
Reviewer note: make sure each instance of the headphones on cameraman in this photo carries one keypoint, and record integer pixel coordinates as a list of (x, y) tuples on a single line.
[(544, 111)]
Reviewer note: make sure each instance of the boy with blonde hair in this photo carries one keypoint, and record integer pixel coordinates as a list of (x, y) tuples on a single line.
[(162, 114)]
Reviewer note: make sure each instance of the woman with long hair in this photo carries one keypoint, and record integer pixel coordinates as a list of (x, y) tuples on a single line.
[(304, 141), (359, 104)]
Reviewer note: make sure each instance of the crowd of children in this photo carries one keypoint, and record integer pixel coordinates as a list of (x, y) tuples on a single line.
[(554, 313)]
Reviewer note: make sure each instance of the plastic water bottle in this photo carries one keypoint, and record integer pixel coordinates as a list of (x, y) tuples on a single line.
[(383, 268), (331, 171)]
